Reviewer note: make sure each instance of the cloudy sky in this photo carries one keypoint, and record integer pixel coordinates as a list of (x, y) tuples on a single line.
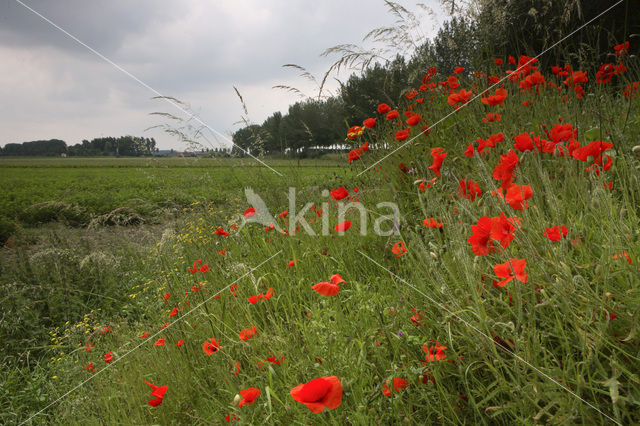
[(51, 86)]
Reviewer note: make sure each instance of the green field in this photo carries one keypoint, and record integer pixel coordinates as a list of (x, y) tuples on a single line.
[(87, 188)]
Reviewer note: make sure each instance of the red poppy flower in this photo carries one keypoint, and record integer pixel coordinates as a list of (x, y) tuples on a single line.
[(623, 255), (222, 232), (517, 195), (595, 149), (180, 343), (555, 233), (339, 193), (230, 417), (108, 357), (621, 49), (167, 296), (496, 99), (210, 346), (434, 353), (414, 119), (144, 335), (505, 170), (383, 108), (326, 289), (318, 394), (291, 263), (248, 333), (402, 135), (490, 229), (248, 396), (491, 117), (250, 212), (369, 123), (343, 226), (90, 367), (438, 158), (523, 142), (392, 114), (158, 392), (577, 77), (399, 249), (514, 268), (498, 61), (469, 189), (173, 313), (431, 223), (284, 214), (159, 342), (459, 97)]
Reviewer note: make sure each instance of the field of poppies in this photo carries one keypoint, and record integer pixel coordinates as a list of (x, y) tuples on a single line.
[(480, 266)]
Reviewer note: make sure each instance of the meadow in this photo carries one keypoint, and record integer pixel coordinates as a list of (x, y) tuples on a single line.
[(506, 290)]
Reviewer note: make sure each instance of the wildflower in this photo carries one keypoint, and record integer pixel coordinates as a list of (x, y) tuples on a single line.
[(398, 383), (210, 346), (399, 249), (383, 108), (469, 189), (622, 256), (173, 313), (505, 170), (414, 119), (343, 226), (144, 335), (402, 134), (496, 99), (221, 231), (327, 288), (248, 333), (369, 123), (250, 212), (248, 396), (434, 353), (159, 342), (158, 392), (438, 158), (290, 263), (318, 394), (392, 114), (108, 357), (459, 97), (517, 195), (622, 48), (513, 269), (339, 193), (491, 117), (555, 233), (90, 367), (431, 223), (89, 347)]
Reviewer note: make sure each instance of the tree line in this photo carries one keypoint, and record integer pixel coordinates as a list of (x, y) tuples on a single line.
[(129, 146), (487, 29)]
